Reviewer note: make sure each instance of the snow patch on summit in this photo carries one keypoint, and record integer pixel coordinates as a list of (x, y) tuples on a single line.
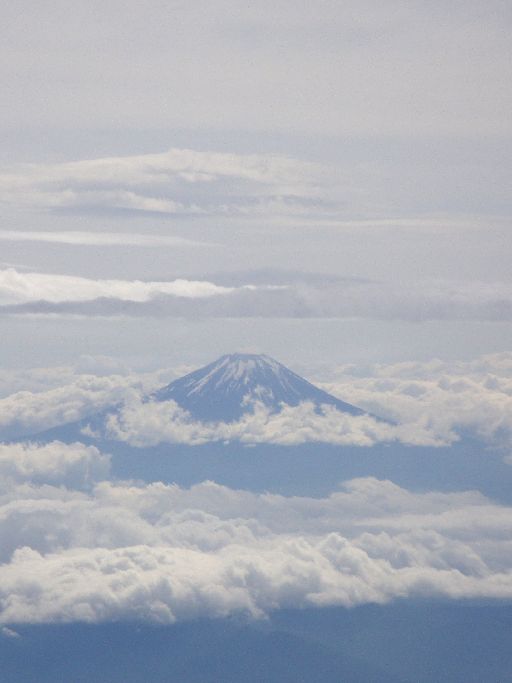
[(229, 387)]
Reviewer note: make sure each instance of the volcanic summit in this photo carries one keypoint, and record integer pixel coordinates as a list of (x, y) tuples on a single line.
[(227, 388)]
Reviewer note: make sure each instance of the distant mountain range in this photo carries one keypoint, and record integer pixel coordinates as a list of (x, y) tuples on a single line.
[(227, 388)]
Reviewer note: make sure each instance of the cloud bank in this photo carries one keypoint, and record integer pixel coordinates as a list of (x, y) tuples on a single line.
[(163, 553), (55, 463), (19, 288), (28, 412), (142, 424), (446, 397), (280, 295)]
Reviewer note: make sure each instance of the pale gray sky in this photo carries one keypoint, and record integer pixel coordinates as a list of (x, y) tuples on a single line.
[(343, 68), (356, 155)]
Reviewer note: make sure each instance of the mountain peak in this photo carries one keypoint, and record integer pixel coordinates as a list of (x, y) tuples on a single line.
[(241, 366), (228, 388)]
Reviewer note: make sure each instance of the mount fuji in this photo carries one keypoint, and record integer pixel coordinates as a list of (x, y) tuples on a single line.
[(227, 388), (223, 391)]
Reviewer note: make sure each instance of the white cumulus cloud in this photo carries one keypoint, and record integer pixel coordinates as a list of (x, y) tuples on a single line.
[(141, 423), (164, 553), (53, 463), (446, 397)]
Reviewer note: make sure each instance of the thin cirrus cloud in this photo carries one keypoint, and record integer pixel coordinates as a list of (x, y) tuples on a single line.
[(102, 239), (96, 550)]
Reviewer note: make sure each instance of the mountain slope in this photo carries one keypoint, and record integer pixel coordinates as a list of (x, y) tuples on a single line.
[(226, 389)]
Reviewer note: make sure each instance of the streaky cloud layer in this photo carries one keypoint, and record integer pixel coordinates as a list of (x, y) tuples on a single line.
[(178, 182), (95, 238), (309, 297), (17, 288)]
